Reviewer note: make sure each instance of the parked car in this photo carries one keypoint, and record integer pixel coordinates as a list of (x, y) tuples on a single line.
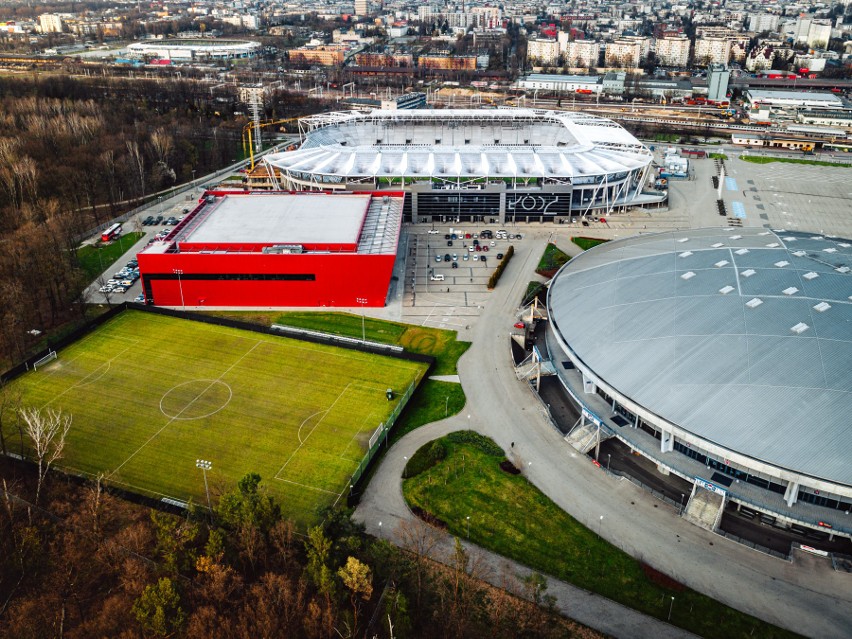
[(493, 243), (106, 288), (449, 242), (520, 325), (455, 257), (126, 283), (447, 257), (119, 289), (437, 277), (485, 248), (433, 231), (481, 258), (437, 258), (158, 220), (475, 257), (139, 299), (499, 256), (470, 249), (148, 220), (465, 257), (455, 264)]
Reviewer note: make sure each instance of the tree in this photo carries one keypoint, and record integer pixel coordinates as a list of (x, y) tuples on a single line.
[(358, 580), (47, 433), (158, 608), (318, 548), (249, 506)]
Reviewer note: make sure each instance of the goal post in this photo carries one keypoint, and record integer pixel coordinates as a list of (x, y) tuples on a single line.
[(51, 355)]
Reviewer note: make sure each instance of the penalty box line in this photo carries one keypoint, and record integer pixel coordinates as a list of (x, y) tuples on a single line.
[(194, 399)]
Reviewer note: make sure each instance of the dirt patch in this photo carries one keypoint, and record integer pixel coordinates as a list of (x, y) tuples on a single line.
[(429, 518), (662, 579), (508, 467)]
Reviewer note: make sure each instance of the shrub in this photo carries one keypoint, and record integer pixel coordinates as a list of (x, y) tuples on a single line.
[(551, 260), (495, 276), (483, 443), (427, 455), (534, 289)]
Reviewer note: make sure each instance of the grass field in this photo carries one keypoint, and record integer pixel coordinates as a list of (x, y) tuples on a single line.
[(586, 243), (760, 159), (94, 260), (505, 513), (151, 394)]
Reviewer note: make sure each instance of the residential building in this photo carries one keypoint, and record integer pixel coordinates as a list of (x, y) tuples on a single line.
[(543, 52), (818, 35), (623, 53), (673, 52), (760, 22), (760, 58), (582, 53), (360, 7), (712, 50), (50, 23)]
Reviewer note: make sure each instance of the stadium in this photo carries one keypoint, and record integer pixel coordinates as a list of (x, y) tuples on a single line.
[(183, 50), (477, 165), (722, 356)]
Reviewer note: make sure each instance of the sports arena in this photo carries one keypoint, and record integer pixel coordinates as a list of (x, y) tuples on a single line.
[(474, 165), (185, 50), (722, 356)]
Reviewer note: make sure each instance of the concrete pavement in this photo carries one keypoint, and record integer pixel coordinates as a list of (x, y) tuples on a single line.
[(810, 599)]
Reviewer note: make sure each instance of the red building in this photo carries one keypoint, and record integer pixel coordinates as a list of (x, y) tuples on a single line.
[(277, 249)]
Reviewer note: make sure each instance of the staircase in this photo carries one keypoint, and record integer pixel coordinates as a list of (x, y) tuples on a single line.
[(583, 438)]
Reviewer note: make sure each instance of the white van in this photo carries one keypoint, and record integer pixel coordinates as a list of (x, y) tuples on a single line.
[(437, 277)]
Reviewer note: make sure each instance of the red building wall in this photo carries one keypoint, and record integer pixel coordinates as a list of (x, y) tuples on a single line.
[(261, 280)]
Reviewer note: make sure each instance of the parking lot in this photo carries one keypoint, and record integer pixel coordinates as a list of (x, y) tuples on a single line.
[(447, 276)]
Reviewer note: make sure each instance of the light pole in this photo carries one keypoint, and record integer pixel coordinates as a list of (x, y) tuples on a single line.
[(159, 205), (205, 465), (682, 495), (468, 527), (600, 523), (447, 406), (179, 272), (608, 457), (362, 301), (671, 605)]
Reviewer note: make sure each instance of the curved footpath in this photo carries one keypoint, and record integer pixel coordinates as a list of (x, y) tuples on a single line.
[(806, 596)]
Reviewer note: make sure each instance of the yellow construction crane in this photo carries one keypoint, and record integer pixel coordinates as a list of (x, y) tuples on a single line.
[(247, 133)]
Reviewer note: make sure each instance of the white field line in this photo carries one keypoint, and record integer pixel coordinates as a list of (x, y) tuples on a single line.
[(228, 370), (295, 483), (319, 421), (83, 381)]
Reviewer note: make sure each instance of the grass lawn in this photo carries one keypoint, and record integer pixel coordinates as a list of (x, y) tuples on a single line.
[(759, 159), (95, 261), (552, 259), (513, 518), (586, 243), (151, 394), (717, 156), (441, 344)]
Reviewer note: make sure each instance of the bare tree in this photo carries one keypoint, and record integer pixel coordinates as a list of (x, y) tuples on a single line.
[(10, 402), (47, 433)]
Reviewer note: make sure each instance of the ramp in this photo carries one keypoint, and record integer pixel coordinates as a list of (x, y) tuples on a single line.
[(584, 436), (704, 508)]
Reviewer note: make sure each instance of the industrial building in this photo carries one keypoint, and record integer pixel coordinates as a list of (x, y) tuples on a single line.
[(721, 355), (274, 249), (479, 165), (792, 99)]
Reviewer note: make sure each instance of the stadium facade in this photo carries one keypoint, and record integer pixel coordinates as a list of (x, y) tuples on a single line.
[(474, 165), (273, 250), (722, 355)]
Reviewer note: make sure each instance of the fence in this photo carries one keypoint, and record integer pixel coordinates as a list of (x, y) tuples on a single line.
[(379, 436)]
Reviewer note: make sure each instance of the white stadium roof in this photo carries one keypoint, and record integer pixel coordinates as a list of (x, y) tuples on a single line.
[(463, 143), (742, 337)]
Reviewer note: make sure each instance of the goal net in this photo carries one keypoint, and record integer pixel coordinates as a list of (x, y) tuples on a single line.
[(44, 360)]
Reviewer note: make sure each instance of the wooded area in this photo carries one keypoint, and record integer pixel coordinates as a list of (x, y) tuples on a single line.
[(91, 565), (76, 152)]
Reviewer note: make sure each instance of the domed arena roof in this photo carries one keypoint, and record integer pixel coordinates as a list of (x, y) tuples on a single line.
[(742, 337)]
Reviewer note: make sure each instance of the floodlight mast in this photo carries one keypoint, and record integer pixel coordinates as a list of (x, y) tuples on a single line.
[(205, 465)]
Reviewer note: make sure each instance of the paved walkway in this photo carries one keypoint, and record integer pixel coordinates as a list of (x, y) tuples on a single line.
[(809, 598)]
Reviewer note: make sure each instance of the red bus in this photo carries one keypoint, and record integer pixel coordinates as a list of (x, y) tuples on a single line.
[(111, 233)]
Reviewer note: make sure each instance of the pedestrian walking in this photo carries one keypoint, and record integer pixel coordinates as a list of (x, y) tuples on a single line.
[(513, 444)]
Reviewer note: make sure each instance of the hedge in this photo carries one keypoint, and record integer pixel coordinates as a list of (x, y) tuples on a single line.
[(426, 456), (483, 443), (495, 276)]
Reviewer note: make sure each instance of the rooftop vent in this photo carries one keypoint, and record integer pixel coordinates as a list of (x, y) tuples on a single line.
[(822, 307), (748, 272), (741, 251), (726, 289), (842, 269), (799, 253), (790, 291), (844, 244), (799, 328), (683, 239), (721, 263), (736, 237), (717, 245), (687, 276), (810, 276), (773, 245), (764, 233), (829, 250), (782, 264), (685, 254), (754, 302), (789, 239)]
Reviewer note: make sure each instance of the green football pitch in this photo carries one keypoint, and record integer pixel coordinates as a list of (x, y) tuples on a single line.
[(150, 395)]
